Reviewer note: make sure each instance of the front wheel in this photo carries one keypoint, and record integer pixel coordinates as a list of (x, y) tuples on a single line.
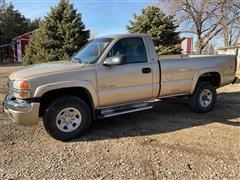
[(67, 118), (204, 97)]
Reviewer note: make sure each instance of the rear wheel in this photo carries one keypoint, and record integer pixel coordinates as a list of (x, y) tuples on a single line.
[(204, 97), (67, 118)]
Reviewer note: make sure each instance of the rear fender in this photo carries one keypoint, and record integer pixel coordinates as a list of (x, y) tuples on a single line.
[(201, 72)]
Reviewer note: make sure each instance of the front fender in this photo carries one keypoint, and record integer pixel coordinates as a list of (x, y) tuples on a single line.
[(68, 84), (201, 72)]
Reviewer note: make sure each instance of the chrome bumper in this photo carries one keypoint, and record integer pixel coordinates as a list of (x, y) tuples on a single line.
[(22, 113)]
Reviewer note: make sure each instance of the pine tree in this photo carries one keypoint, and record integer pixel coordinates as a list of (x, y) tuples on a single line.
[(160, 27), (12, 24), (60, 35)]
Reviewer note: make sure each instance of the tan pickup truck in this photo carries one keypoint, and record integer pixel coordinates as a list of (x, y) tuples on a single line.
[(110, 76)]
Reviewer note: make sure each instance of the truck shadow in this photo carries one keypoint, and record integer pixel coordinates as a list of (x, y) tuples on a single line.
[(166, 116)]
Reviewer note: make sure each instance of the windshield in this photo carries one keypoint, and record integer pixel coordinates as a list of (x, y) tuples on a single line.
[(92, 50)]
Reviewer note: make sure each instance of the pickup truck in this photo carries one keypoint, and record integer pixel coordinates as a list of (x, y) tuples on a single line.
[(110, 76)]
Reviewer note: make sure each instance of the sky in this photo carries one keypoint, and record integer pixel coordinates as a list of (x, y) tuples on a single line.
[(102, 17)]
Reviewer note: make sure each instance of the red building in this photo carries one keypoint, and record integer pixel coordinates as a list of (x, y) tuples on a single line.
[(187, 45), (19, 45)]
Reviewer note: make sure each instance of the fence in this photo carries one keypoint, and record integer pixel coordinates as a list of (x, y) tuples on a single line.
[(6, 53)]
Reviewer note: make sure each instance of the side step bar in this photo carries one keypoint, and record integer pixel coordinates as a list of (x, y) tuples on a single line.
[(109, 112)]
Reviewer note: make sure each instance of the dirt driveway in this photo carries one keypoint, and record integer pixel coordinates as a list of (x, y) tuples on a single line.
[(168, 142)]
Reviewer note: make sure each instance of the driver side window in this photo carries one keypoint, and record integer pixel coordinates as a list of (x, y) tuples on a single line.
[(133, 48)]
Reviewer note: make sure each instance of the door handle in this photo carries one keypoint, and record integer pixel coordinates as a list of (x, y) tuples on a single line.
[(146, 70)]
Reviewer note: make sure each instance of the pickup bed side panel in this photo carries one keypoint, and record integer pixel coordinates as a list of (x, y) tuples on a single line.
[(228, 70), (176, 77), (180, 76), (223, 65)]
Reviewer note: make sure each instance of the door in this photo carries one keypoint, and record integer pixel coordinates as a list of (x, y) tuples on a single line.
[(130, 82)]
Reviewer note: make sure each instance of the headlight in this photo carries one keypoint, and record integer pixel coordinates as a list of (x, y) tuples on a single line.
[(21, 89)]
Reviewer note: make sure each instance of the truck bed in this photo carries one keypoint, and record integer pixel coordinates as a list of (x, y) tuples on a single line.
[(179, 76)]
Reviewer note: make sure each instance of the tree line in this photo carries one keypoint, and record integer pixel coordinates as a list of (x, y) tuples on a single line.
[(207, 19), (12, 24), (61, 33)]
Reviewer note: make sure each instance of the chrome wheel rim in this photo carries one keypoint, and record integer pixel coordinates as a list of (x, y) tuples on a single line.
[(206, 98), (68, 119)]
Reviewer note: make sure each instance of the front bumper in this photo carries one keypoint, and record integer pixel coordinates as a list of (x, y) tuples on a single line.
[(22, 113)]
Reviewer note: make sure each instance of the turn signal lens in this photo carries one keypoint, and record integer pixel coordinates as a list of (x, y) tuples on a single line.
[(24, 95), (21, 94), (24, 85)]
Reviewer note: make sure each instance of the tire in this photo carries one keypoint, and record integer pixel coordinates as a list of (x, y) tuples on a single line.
[(67, 118), (204, 97)]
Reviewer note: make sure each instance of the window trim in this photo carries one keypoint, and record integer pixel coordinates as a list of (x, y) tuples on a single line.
[(141, 39)]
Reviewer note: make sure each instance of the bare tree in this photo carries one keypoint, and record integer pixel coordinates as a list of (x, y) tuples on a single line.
[(93, 34), (2, 5), (230, 12), (209, 49), (205, 18)]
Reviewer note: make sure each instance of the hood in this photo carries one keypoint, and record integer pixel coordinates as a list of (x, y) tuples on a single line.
[(45, 68)]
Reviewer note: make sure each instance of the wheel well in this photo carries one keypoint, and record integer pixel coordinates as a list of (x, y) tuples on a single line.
[(212, 77), (53, 95)]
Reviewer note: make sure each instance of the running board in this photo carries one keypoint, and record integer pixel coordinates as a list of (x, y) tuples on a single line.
[(109, 112)]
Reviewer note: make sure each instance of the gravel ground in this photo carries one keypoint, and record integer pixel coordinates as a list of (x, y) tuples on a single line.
[(167, 142)]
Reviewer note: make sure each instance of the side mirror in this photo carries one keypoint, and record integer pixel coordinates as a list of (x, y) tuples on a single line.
[(115, 60)]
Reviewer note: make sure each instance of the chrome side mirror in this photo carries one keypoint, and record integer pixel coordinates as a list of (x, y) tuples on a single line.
[(115, 60)]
